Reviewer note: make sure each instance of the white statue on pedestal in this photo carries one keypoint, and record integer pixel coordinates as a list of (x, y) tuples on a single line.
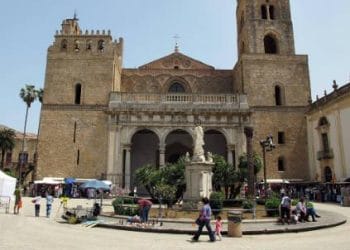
[(198, 151)]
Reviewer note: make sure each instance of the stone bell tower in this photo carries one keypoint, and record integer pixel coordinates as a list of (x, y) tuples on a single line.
[(83, 68), (276, 81), (264, 26)]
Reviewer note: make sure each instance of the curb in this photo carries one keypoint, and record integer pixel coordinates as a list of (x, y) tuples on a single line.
[(244, 232)]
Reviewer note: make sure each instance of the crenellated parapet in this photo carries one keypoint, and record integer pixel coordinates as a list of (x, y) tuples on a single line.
[(71, 39)]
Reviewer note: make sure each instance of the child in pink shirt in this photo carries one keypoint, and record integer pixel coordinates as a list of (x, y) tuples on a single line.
[(218, 227)]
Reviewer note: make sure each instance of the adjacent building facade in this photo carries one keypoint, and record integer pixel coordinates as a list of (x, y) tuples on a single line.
[(328, 120), (100, 120), (11, 158)]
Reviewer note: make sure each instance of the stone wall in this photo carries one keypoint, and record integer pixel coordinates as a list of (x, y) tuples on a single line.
[(194, 81), (292, 122), (58, 150)]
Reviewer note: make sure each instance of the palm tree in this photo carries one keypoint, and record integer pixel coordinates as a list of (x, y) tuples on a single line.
[(7, 143), (28, 95), (40, 95)]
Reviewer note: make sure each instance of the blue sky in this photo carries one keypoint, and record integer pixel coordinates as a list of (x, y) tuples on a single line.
[(207, 29)]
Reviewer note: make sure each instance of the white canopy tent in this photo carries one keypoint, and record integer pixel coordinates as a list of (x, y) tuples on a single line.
[(7, 185)]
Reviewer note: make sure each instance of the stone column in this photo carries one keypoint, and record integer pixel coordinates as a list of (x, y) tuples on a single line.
[(229, 154), (127, 173), (161, 156), (111, 152)]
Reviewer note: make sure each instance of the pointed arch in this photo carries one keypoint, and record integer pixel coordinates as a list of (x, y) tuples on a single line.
[(101, 45), (144, 150), (176, 87), (177, 81), (270, 44), (215, 142), (323, 121), (64, 45), (178, 142)]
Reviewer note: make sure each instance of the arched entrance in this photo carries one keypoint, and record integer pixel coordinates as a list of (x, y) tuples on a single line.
[(178, 142), (144, 150), (215, 142)]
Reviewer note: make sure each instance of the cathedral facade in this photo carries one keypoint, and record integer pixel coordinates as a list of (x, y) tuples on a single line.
[(100, 120)]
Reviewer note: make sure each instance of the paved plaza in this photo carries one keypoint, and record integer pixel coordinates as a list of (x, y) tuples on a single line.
[(28, 232)]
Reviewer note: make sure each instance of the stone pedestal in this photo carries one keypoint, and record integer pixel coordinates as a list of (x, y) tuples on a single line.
[(198, 181)]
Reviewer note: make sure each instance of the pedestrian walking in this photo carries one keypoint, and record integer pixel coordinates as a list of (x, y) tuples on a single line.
[(18, 201), (36, 202), (49, 201), (204, 220), (218, 226)]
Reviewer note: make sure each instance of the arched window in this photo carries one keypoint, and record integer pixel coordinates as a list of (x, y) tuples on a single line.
[(323, 121), (76, 46), (77, 99), (64, 44), (101, 45), (89, 45), (270, 45), (278, 95), (272, 12), (281, 164), (176, 88), (328, 176), (263, 12)]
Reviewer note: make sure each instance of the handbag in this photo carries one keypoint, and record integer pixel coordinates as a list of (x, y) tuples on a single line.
[(198, 221)]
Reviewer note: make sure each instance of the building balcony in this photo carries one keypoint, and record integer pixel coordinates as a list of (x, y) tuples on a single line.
[(325, 154), (178, 102)]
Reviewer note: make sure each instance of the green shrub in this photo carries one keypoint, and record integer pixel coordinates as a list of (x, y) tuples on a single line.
[(128, 200), (216, 202), (247, 204), (294, 202), (272, 205)]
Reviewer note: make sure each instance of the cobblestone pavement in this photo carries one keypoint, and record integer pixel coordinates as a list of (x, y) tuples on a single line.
[(25, 231)]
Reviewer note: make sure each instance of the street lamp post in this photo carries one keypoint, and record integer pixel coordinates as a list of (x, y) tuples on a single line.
[(266, 145), (248, 131)]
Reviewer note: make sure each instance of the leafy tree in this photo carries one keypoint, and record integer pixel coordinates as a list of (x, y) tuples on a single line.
[(28, 94), (148, 176), (7, 143), (224, 175), (243, 172), (243, 165), (165, 193), (163, 182), (216, 202)]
